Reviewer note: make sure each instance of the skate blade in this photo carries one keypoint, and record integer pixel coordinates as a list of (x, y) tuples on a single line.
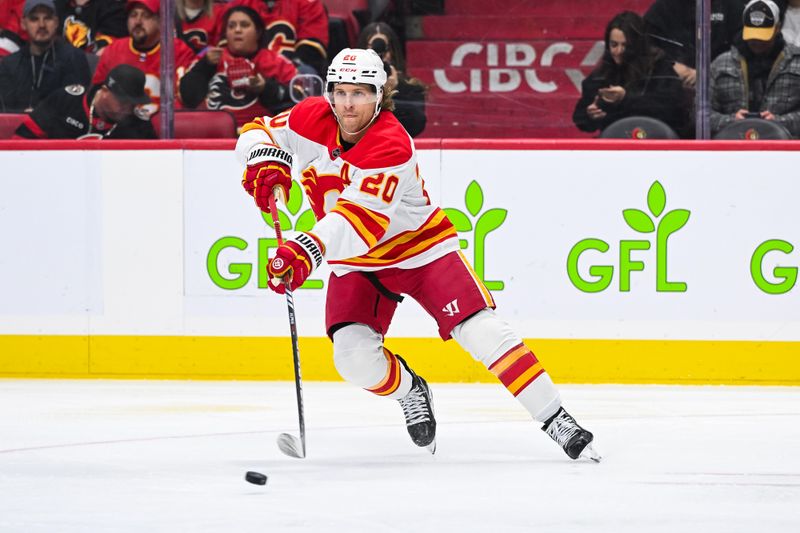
[(431, 447), (590, 453), (291, 446)]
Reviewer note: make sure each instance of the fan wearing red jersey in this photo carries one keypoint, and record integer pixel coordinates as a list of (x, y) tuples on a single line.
[(143, 51), (198, 22), (383, 238), (297, 29), (243, 78)]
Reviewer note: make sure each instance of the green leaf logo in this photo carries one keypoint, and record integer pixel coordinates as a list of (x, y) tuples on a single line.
[(459, 219), (295, 198), (481, 226), (306, 221), (474, 198), (656, 199), (674, 220), (638, 220), (293, 206)]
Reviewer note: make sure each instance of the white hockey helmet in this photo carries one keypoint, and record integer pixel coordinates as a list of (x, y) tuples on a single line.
[(356, 65)]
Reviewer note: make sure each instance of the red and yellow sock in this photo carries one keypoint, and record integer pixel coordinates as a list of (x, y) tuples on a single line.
[(391, 382), (517, 368)]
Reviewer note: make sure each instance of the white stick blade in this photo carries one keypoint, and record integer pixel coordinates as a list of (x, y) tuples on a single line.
[(290, 445)]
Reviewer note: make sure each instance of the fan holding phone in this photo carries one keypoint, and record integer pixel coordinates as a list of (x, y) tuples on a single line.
[(759, 77), (632, 79)]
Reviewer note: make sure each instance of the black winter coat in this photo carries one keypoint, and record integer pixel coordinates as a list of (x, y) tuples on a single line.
[(25, 80), (659, 96), (671, 25)]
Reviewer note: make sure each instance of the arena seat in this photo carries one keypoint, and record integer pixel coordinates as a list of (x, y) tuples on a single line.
[(9, 123), (200, 124), (754, 129), (640, 128)]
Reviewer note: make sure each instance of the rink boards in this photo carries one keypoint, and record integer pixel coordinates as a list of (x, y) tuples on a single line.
[(619, 262)]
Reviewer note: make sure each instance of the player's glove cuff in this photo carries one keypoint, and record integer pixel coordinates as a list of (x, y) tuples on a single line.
[(312, 246), (262, 153)]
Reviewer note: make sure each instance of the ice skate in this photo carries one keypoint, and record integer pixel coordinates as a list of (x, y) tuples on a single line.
[(573, 439), (418, 409)]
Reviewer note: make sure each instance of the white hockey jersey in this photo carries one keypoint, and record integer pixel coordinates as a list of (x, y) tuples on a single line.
[(370, 202)]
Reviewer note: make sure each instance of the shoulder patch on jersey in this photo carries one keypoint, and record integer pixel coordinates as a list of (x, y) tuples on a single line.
[(75, 90)]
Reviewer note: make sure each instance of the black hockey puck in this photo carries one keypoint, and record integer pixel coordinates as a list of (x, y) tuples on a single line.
[(256, 478)]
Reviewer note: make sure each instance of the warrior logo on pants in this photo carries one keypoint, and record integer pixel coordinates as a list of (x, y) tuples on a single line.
[(452, 308)]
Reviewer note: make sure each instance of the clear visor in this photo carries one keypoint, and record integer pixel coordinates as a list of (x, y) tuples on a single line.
[(350, 94)]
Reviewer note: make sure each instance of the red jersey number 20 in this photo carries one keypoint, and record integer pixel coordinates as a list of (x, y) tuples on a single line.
[(381, 185)]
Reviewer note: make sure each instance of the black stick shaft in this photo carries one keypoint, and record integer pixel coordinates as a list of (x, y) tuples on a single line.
[(298, 380)]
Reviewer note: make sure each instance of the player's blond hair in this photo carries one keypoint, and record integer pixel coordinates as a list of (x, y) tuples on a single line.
[(387, 101)]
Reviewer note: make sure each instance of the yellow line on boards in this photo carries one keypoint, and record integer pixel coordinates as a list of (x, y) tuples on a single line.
[(270, 358)]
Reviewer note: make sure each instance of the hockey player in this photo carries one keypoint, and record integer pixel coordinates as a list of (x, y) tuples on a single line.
[(382, 237)]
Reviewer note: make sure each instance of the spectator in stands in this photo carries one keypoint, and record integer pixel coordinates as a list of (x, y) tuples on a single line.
[(632, 79), (92, 25), (791, 23), (198, 22), (244, 77), (671, 25), (298, 29), (104, 111), (410, 97), (759, 76), (143, 50), (43, 65)]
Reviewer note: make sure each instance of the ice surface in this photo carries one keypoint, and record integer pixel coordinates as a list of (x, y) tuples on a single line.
[(152, 456)]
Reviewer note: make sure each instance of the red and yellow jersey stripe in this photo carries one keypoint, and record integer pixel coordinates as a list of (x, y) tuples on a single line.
[(369, 225), (517, 368), (403, 246)]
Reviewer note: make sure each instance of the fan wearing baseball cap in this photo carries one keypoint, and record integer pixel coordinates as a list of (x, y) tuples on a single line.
[(110, 110), (761, 20), (759, 77), (143, 49)]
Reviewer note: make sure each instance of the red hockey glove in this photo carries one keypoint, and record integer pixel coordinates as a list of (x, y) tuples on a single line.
[(267, 167), (295, 260)]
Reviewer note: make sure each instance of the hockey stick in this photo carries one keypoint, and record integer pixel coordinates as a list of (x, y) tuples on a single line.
[(289, 444)]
